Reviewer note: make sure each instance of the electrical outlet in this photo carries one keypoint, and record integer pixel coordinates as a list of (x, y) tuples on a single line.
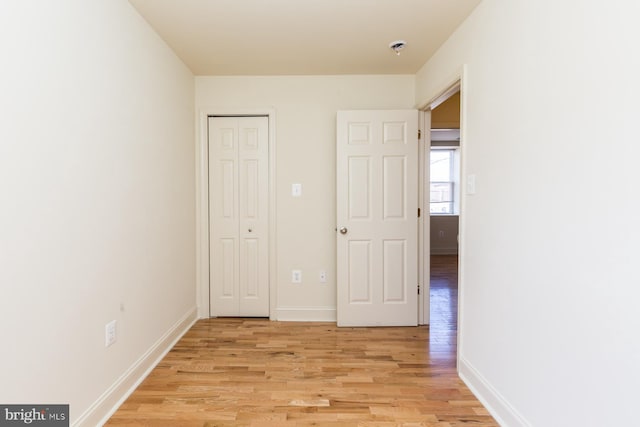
[(322, 276), (110, 333), (296, 276)]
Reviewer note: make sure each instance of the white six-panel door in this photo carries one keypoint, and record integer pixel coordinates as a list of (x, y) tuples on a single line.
[(238, 209), (377, 218)]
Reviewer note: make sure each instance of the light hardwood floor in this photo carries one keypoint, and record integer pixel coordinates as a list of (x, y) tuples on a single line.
[(253, 372)]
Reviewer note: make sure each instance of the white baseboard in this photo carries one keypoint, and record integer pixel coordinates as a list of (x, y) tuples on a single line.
[(107, 404), (503, 412), (301, 314)]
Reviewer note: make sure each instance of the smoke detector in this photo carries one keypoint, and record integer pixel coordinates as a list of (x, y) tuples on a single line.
[(397, 46)]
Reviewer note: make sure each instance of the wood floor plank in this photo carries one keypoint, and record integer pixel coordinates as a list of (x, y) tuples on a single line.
[(256, 373)]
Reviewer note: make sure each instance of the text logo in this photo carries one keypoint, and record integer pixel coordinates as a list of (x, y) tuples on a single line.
[(34, 415)]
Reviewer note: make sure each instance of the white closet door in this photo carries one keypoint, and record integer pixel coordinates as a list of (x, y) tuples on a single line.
[(238, 209)]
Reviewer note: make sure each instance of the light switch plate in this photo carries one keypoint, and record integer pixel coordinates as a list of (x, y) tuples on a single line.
[(296, 276), (471, 184), (296, 190)]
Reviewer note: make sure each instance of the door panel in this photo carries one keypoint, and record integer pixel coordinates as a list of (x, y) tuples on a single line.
[(359, 188), (377, 204), (238, 209), (252, 257), (394, 265), (393, 176), (228, 189), (223, 210), (227, 253), (359, 266)]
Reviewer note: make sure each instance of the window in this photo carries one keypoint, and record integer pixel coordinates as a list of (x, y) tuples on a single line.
[(443, 167)]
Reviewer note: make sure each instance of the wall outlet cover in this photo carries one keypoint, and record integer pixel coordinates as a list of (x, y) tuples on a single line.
[(110, 333)]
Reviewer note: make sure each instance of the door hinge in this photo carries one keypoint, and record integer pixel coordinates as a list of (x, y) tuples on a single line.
[(418, 212), (419, 133), (418, 289)]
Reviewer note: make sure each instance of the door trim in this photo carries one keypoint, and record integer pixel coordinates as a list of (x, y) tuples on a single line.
[(424, 225), (457, 80), (202, 204)]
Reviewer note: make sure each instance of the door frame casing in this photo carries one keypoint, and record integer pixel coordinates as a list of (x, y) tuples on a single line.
[(424, 246), (202, 203), (457, 81)]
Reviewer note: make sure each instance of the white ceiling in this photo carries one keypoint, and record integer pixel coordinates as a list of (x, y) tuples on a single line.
[(298, 37)]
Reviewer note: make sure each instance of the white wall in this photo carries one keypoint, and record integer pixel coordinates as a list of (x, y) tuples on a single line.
[(97, 192), (443, 232), (305, 109), (550, 284)]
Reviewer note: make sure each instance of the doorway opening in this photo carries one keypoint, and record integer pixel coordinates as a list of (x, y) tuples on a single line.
[(442, 195), (444, 211)]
